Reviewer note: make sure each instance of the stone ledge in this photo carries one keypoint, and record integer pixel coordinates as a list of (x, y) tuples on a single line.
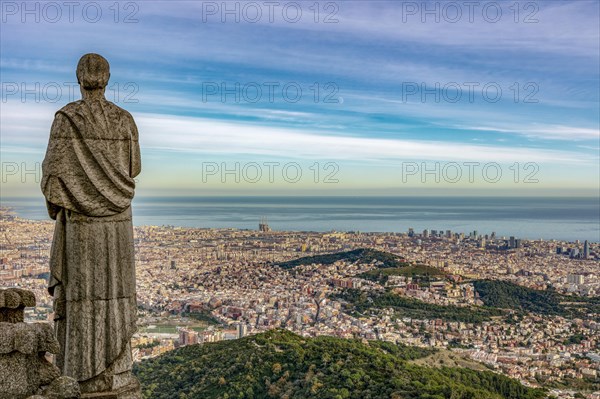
[(27, 338)]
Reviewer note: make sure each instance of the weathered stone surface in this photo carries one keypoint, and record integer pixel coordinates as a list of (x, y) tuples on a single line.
[(92, 159), (7, 338), (12, 315), (130, 391), (23, 365), (47, 372), (115, 378), (16, 297), (46, 340), (63, 388), (24, 368), (27, 297), (15, 376), (27, 338), (13, 302)]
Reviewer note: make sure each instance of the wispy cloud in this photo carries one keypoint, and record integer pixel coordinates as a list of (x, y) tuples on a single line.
[(209, 136), (551, 132), (369, 53)]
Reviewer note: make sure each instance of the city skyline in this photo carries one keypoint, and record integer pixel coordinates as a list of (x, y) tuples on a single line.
[(197, 286)]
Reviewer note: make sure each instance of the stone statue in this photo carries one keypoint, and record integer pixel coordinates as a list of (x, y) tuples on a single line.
[(88, 175)]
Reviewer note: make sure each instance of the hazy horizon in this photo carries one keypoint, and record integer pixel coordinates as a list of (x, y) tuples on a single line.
[(563, 218)]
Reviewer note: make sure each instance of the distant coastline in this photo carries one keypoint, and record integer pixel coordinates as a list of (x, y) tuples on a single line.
[(560, 218)]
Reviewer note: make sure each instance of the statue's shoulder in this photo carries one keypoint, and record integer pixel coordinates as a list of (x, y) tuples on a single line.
[(70, 108), (78, 107), (114, 109)]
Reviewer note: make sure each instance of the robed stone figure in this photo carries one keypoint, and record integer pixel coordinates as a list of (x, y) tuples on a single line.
[(92, 158)]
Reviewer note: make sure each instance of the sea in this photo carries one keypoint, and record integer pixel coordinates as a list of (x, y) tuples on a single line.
[(560, 218)]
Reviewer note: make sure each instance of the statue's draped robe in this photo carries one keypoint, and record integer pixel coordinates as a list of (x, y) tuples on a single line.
[(92, 157)]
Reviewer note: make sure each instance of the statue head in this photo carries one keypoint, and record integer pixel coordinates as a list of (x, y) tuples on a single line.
[(93, 72)]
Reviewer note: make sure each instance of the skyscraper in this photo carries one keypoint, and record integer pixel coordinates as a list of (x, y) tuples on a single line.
[(574, 252), (586, 249), (263, 225)]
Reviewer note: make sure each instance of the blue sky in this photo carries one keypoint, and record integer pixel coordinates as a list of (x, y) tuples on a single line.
[(377, 123)]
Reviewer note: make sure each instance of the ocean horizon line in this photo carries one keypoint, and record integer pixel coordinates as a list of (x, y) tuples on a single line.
[(550, 218), (200, 196)]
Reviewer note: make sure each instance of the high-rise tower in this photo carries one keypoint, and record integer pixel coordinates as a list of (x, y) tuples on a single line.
[(263, 225)]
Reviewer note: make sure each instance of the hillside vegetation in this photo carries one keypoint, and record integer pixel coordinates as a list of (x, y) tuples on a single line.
[(364, 255), (506, 295), (280, 364)]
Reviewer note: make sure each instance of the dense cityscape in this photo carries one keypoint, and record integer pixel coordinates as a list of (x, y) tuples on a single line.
[(198, 285)]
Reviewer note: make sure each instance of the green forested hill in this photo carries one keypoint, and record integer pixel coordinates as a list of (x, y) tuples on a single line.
[(280, 364), (503, 294), (364, 255)]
